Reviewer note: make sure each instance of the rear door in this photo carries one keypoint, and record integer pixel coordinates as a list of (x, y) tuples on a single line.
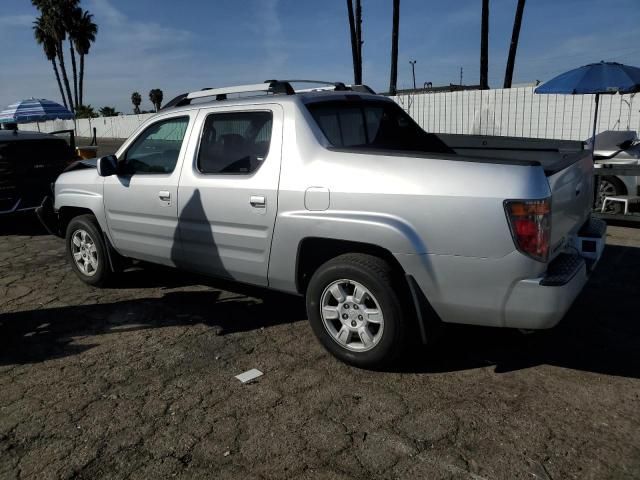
[(141, 202), (227, 198)]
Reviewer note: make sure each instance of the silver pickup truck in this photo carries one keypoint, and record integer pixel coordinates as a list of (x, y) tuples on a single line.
[(338, 195)]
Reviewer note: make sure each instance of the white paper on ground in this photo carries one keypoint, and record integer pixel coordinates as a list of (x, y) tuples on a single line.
[(249, 375)]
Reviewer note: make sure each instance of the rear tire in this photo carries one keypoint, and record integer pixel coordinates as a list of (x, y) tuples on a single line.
[(86, 251), (610, 187), (356, 311)]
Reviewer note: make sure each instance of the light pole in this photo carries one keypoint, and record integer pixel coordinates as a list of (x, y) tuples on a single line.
[(413, 71)]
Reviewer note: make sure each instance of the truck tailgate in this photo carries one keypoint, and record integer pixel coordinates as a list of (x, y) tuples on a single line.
[(571, 198)]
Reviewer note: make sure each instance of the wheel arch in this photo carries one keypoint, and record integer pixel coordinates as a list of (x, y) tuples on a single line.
[(314, 251), (68, 213), (617, 180)]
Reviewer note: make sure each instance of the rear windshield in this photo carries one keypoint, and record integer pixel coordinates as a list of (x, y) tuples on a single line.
[(373, 124)]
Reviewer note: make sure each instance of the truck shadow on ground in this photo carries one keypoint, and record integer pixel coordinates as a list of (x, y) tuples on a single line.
[(23, 223), (600, 334), (37, 335)]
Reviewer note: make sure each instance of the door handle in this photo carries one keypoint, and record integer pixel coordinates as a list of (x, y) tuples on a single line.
[(164, 195), (258, 201)]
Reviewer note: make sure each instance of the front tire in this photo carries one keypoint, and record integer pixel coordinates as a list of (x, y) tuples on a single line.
[(86, 251), (355, 310)]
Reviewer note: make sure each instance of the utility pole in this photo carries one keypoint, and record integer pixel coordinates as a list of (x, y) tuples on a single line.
[(413, 71), (460, 76)]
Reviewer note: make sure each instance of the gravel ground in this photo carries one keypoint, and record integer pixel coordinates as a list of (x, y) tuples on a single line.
[(136, 381)]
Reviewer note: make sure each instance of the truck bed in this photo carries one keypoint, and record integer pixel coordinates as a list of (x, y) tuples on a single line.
[(552, 155)]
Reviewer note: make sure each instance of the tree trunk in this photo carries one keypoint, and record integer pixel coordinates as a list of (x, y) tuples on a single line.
[(65, 78), (358, 78), (354, 41), (55, 69), (513, 48), (484, 46), (81, 88), (75, 73), (393, 81)]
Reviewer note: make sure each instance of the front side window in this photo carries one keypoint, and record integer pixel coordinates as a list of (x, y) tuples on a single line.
[(156, 150), (370, 124), (235, 142)]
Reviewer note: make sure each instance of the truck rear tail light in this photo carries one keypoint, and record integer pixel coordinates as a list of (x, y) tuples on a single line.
[(530, 223)]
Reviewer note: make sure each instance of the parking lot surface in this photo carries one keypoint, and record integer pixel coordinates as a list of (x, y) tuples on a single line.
[(137, 381)]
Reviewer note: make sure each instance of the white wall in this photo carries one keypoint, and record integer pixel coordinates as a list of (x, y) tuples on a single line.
[(521, 113), (106, 127), (513, 112)]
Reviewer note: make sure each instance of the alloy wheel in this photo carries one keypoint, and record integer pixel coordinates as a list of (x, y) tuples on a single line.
[(85, 254), (351, 315)]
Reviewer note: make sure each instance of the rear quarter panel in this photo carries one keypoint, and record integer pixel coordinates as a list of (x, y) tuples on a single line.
[(407, 205)]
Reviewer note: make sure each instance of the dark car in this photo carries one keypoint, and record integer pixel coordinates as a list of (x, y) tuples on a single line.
[(29, 163)]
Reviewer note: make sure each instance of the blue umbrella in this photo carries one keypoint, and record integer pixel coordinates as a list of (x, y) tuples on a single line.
[(596, 78), (34, 110)]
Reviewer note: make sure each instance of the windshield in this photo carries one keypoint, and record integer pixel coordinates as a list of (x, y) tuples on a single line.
[(370, 124)]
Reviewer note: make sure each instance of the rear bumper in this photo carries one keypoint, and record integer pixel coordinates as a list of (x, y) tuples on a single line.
[(536, 304), (512, 291), (542, 302)]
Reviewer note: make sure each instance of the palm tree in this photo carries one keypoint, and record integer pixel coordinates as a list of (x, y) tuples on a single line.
[(85, 111), (108, 112), (359, 40), (49, 46), (393, 82), (354, 41), (136, 99), (52, 13), (515, 35), (71, 14), (484, 46), (155, 96), (84, 34)]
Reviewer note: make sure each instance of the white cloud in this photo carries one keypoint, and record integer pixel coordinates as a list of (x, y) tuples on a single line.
[(132, 55), (16, 21), (273, 39), (116, 29)]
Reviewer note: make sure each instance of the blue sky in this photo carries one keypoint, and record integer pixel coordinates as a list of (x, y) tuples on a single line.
[(189, 44)]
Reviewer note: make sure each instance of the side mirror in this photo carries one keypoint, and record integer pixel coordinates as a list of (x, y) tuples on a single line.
[(107, 166)]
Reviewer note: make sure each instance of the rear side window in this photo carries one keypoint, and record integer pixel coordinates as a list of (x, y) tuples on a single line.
[(156, 150), (235, 142), (370, 124)]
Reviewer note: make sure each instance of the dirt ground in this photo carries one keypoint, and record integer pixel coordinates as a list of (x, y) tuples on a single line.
[(137, 381)]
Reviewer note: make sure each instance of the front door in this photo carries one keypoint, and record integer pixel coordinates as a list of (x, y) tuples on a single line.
[(227, 198), (141, 202)]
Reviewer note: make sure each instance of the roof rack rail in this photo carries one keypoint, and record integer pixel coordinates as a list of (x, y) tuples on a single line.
[(271, 86), (338, 86)]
